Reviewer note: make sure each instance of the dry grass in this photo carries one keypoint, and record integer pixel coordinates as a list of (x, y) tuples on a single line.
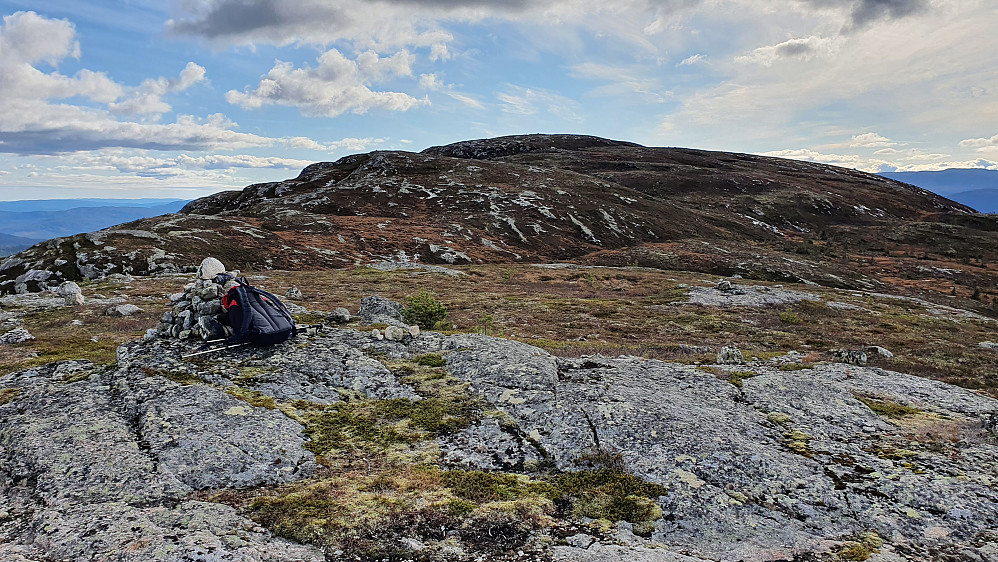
[(580, 311)]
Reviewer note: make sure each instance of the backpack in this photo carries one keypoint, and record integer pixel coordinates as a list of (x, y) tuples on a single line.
[(256, 316)]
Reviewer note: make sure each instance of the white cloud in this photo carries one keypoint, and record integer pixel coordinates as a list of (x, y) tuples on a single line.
[(801, 49), (337, 85), (981, 144), (518, 100), (920, 162), (151, 166), (29, 38), (32, 124), (148, 97), (692, 60), (433, 83), (875, 74), (623, 82)]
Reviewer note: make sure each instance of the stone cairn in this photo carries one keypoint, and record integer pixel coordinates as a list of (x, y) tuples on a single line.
[(203, 297)]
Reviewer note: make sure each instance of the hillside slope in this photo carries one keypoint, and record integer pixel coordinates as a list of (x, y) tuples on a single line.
[(559, 197)]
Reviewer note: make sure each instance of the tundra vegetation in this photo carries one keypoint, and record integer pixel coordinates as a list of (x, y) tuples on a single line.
[(380, 479)]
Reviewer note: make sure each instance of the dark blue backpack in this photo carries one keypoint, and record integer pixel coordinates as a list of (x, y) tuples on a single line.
[(256, 316)]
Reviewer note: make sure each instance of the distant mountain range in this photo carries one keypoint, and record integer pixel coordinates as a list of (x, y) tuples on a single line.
[(24, 223), (973, 187)]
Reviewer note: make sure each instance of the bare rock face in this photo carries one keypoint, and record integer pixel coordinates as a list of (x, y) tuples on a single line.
[(108, 459)]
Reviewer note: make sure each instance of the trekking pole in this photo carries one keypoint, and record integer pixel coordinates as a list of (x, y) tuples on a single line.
[(213, 350)]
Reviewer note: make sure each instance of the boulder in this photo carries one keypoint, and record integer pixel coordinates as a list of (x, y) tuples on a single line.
[(730, 356), (379, 310), (209, 268), (67, 288), (17, 335), (850, 356)]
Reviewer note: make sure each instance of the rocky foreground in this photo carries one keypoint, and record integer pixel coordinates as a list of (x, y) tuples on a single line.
[(771, 460)]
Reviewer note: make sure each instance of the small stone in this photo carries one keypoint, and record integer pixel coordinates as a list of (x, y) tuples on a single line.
[(412, 544), (376, 334), (75, 299), (294, 293), (394, 333), (122, 310), (580, 540), (167, 317), (988, 345), (340, 315), (414, 331), (209, 268), (724, 285), (880, 351)]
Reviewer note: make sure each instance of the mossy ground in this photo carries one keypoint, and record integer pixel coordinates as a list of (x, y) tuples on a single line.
[(381, 479)]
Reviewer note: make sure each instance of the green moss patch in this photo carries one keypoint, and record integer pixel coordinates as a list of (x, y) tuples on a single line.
[(887, 408), (252, 397), (180, 377), (798, 442), (610, 494), (737, 377), (862, 548), (430, 360)]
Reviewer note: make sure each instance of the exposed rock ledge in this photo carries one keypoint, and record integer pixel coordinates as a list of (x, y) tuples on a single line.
[(101, 463)]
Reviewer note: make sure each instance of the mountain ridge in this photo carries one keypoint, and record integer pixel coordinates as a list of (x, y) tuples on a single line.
[(538, 198)]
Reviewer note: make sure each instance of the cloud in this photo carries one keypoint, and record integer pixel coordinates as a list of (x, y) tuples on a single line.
[(381, 26), (922, 162), (518, 100), (802, 49), (148, 97), (692, 60), (623, 82), (31, 123), (144, 165), (981, 144), (433, 83), (29, 38), (337, 85), (863, 13)]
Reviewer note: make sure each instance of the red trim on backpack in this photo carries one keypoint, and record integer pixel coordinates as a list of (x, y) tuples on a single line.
[(227, 302)]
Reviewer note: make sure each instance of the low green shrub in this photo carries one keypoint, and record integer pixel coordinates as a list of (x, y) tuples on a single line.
[(424, 310)]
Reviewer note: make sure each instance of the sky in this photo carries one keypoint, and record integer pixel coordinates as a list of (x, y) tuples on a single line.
[(183, 98)]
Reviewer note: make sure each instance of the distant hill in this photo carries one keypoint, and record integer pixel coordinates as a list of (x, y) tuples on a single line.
[(544, 198), (973, 187), (13, 244), (984, 200), (41, 220), (32, 205)]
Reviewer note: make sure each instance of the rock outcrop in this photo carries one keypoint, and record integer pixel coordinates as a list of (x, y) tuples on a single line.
[(786, 464)]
